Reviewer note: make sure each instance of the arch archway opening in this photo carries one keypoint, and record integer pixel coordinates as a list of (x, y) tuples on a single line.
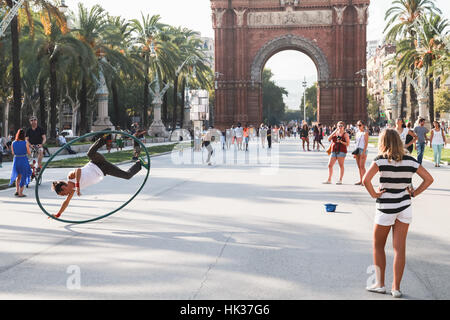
[(289, 78)]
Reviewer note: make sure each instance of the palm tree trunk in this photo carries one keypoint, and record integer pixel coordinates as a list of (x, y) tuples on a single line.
[(146, 84), (431, 98), (413, 102), (115, 101), (183, 101), (53, 99), (42, 102), (164, 105), (83, 107), (175, 103), (403, 103), (17, 87)]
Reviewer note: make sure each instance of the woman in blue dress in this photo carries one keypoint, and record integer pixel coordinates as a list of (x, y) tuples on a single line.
[(21, 171)]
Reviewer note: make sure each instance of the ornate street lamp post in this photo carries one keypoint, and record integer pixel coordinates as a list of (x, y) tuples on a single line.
[(103, 121), (304, 83), (187, 108), (4, 23), (157, 127)]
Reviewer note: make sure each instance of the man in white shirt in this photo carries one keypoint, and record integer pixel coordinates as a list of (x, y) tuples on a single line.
[(239, 135), (92, 173)]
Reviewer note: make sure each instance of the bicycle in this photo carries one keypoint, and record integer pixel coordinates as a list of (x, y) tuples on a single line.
[(35, 170)]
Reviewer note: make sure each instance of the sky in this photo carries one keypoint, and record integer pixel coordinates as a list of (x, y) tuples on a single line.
[(289, 67)]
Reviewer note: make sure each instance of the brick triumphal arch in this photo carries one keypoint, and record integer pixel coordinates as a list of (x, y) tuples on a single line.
[(248, 32)]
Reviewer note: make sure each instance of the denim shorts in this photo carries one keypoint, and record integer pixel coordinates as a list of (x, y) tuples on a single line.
[(338, 155), (361, 151)]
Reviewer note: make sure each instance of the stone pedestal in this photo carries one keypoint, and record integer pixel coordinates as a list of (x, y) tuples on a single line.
[(187, 123), (157, 128), (103, 121)]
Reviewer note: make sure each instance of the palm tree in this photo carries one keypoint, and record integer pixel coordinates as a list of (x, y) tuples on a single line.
[(431, 33), (190, 56), (118, 38), (53, 11), (55, 48), (90, 25), (198, 74), (147, 34), (401, 20), (402, 16)]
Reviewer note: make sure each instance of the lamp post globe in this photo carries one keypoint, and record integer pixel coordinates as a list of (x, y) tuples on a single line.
[(63, 8)]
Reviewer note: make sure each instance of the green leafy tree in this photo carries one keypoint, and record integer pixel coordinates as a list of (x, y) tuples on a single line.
[(373, 109), (442, 100), (274, 107)]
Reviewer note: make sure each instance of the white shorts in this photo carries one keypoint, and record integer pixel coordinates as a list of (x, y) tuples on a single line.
[(388, 219)]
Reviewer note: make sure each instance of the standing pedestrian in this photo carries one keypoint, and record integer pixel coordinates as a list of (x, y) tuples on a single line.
[(139, 134), (21, 170), (394, 210), (109, 141), (437, 142), (229, 137), (304, 135), (360, 154), (263, 134), (421, 131), (269, 136), (118, 139), (246, 132), (223, 139), (404, 132), (340, 141), (320, 138), (207, 137), (233, 135), (318, 135), (239, 135)]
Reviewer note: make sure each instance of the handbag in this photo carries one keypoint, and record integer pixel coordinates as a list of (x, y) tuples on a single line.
[(329, 149), (356, 152)]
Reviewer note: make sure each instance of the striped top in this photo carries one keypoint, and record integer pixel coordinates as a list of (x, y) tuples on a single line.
[(395, 177)]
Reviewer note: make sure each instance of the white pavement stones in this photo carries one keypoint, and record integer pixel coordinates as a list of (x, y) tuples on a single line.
[(222, 232)]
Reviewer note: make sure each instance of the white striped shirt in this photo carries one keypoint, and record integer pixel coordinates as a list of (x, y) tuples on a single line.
[(395, 177)]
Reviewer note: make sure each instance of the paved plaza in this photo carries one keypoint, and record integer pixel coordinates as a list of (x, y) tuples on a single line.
[(240, 229)]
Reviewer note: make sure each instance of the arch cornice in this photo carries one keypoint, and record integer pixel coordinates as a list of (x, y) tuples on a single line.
[(290, 42)]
